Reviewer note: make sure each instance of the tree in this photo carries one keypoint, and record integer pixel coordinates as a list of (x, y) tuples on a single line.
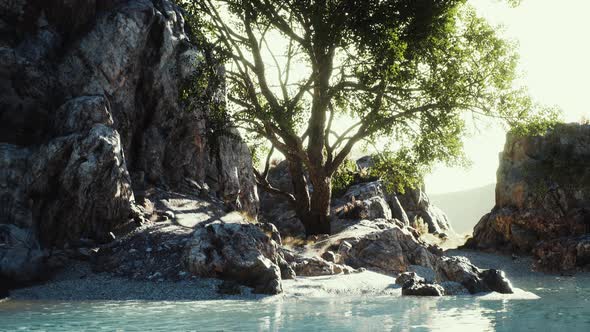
[(407, 70)]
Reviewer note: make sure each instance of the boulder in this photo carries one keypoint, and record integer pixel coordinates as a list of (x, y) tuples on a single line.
[(460, 269), (542, 198), (236, 251), (417, 288), (392, 249)]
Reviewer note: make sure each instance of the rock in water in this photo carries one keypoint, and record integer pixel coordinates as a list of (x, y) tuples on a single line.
[(90, 101), (417, 288), (542, 199), (460, 269), (236, 251)]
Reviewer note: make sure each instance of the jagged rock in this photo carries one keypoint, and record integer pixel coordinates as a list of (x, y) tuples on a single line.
[(542, 198), (392, 249), (363, 191), (236, 251), (418, 208), (397, 210), (460, 269), (89, 103), (408, 276), (415, 288)]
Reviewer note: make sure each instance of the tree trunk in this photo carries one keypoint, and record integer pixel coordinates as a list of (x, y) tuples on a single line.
[(299, 186), (317, 220)]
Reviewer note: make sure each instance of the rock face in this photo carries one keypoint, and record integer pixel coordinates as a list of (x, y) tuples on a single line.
[(237, 251), (542, 199), (89, 109)]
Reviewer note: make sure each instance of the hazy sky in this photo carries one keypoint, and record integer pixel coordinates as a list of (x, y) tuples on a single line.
[(555, 63)]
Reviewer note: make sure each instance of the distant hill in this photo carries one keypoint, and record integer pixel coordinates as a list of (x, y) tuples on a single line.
[(465, 208)]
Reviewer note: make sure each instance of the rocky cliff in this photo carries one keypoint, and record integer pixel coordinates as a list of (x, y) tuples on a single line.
[(90, 116), (542, 199)]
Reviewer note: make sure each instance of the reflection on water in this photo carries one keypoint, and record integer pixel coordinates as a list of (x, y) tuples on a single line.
[(564, 305)]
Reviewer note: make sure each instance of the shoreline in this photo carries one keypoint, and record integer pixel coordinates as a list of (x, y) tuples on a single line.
[(79, 283)]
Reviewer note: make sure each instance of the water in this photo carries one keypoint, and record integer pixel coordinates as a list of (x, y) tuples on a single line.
[(564, 305)]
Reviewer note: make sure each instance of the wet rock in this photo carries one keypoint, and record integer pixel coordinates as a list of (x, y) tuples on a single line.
[(454, 288), (414, 287), (563, 254), (408, 276), (460, 269), (236, 251), (496, 281)]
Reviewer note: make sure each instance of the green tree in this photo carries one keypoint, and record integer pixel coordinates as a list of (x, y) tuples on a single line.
[(403, 69)]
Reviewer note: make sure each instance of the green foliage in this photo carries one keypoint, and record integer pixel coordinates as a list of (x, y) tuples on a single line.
[(344, 177), (398, 170), (538, 123), (200, 92)]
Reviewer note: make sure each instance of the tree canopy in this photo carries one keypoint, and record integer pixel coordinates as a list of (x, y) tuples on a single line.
[(404, 70)]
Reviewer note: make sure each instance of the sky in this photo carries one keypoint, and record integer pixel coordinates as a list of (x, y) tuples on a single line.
[(554, 50)]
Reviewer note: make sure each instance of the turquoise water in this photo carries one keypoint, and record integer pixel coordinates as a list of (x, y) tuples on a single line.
[(564, 305)]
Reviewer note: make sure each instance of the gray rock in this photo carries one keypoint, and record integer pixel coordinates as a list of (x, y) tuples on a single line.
[(236, 251), (393, 249), (454, 288), (21, 258), (416, 288), (89, 97), (405, 277), (460, 269)]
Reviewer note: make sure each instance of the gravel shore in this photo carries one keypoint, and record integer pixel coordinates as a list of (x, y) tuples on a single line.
[(79, 283)]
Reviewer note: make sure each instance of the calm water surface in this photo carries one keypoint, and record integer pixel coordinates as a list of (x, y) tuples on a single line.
[(564, 306)]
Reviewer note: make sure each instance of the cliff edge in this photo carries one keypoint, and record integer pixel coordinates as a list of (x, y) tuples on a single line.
[(542, 199)]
